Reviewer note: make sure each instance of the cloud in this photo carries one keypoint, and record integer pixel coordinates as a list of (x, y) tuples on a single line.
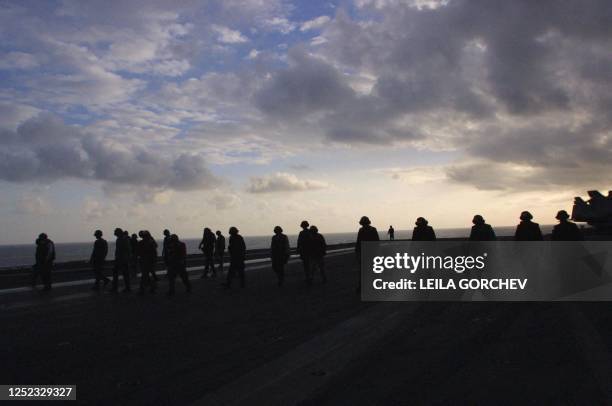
[(282, 182), (315, 23), (229, 36), (45, 149)]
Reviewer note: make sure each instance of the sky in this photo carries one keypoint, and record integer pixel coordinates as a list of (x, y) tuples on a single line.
[(253, 113)]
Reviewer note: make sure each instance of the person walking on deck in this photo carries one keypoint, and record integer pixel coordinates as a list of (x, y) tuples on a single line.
[(423, 231), (527, 230), (317, 254), (237, 252), (122, 261), (481, 231), (304, 243), (279, 253), (98, 259), (177, 264), (219, 250), (566, 230), (366, 233), (207, 246), (45, 255)]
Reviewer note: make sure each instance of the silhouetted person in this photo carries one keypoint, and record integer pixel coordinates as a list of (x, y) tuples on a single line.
[(177, 263), (566, 230), (134, 256), (317, 254), (147, 258), (237, 252), (303, 248), (98, 259), (154, 244), (45, 255), (527, 230), (122, 260), (365, 233), (220, 250), (279, 253), (391, 233), (166, 234), (423, 231), (207, 246), (481, 231)]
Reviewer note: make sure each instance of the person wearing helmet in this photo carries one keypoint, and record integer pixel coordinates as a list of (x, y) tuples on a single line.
[(423, 231), (481, 231), (566, 230), (527, 230), (177, 263), (207, 246), (279, 253), (147, 258), (45, 255), (122, 261), (98, 259), (237, 252), (303, 248), (365, 233), (318, 252), (219, 250)]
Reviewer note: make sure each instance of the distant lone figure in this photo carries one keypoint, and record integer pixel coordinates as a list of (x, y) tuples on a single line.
[(566, 230), (279, 253), (207, 246), (303, 248), (45, 255), (317, 254), (391, 233), (219, 249), (527, 230), (98, 259), (122, 261), (237, 252), (177, 265), (481, 231), (423, 231)]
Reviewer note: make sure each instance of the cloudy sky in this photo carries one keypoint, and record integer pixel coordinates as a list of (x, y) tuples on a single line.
[(154, 114)]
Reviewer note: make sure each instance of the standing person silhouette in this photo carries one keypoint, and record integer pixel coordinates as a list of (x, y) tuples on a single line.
[(279, 253), (165, 243), (481, 231), (122, 261), (147, 258), (98, 259), (303, 248), (423, 231), (317, 254), (365, 233), (177, 264), (219, 250), (566, 230), (134, 255), (45, 255), (237, 252), (527, 230), (207, 246), (391, 233)]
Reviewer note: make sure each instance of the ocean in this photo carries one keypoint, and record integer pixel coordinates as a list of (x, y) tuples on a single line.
[(23, 254)]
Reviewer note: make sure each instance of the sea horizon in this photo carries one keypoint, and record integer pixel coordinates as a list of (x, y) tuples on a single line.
[(21, 255)]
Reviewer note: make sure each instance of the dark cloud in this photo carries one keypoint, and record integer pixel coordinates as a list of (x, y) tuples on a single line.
[(45, 149)]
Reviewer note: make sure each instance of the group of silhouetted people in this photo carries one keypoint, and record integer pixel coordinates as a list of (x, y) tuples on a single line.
[(139, 252)]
